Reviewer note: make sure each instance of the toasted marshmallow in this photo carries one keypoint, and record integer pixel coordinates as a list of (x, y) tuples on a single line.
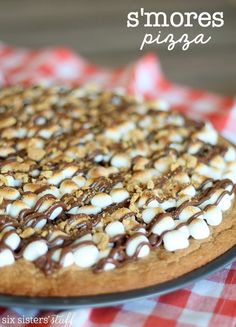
[(9, 193), (6, 257), (119, 195), (181, 178), (195, 147), (35, 250), (212, 215), (169, 203), (13, 209), (182, 199), (98, 171), (120, 161), (46, 204), (207, 135), (30, 199), (79, 180), (188, 212), (113, 134), (231, 166), (115, 228), (101, 200), (230, 154), (86, 255), (89, 210), (12, 182), (69, 171), (68, 187), (202, 169), (163, 164), (199, 229), (188, 190), (52, 190), (133, 244), (218, 162), (56, 178), (175, 240), (67, 259), (166, 223), (144, 201), (149, 213)]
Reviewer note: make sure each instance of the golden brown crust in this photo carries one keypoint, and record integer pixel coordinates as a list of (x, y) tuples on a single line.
[(24, 278)]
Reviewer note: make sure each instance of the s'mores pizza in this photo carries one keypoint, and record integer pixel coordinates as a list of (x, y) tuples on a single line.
[(101, 192)]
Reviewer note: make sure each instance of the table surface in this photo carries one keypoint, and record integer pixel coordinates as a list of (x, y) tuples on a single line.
[(97, 30)]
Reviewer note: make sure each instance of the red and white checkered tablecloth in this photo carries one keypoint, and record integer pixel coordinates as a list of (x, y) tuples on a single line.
[(208, 302)]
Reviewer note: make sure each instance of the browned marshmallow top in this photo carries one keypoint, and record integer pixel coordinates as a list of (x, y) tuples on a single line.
[(96, 179)]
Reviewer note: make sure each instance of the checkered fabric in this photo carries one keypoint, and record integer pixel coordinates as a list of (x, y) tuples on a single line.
[(208, 302)]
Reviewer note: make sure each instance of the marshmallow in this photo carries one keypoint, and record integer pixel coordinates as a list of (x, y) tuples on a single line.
[(68, 187), (120, 161), (207, 135), (183, 229), (170, 203), (6, 257), (215, 173), (101, 200), (225, 202), (198, 229), (113, 134), (175, 240), (56, 178), (9, 193), (13, 240), (55, 213), (212, 215), (163, 164), (89, 210), (181, 178), (40, 223), (119, 195), (188, 212), (29, 199), (34, 250), (46, 204), (194, 147), (69, 171), (149, 213), (188, 190), (218, 162), (66, 260), (182, 199), (86, 237), (52, 190), (79, 180), (11, 181), (133, 244), (86, 255), (13, 209), (230, 154), (109, 266), (163, 225), (202, 169), (115, 228), (230, 175)]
